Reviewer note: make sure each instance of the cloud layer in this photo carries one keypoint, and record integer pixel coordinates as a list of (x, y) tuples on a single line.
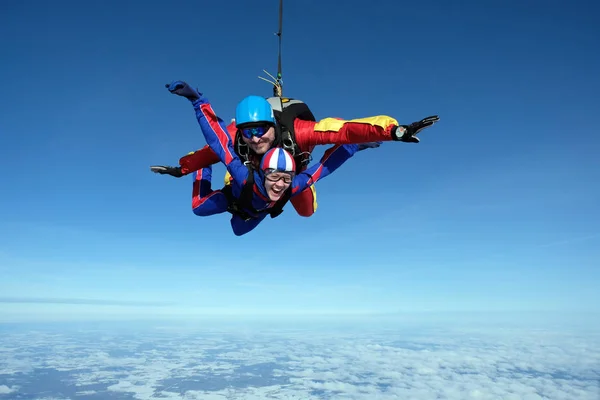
[(409, 364), (51, 300)]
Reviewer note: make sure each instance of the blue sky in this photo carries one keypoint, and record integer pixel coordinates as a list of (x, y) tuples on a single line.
[(495, 210)]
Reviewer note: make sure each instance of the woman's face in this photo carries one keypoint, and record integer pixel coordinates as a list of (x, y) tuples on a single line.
[(276, 183)]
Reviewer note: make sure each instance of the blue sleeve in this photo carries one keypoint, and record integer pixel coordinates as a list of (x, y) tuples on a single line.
[(218, 138), (331, 160)]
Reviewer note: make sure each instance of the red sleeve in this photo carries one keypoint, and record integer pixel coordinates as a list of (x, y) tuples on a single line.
[(204, 157), (338, 131)]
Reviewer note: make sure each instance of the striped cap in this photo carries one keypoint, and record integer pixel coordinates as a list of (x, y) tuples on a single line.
[(279, 160)]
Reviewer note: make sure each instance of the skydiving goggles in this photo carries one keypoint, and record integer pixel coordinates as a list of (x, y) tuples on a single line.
[(287, 176), (255, 130)]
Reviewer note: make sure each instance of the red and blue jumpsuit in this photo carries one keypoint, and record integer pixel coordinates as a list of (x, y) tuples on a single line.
[(309, 134), (206, 201)]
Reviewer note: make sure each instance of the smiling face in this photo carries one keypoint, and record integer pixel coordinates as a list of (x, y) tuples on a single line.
[(259, 143), (278, 169), (255, 120), (276, 183)]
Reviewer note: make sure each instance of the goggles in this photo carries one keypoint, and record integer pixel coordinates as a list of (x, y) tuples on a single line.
[(257, 130), (287, 176)]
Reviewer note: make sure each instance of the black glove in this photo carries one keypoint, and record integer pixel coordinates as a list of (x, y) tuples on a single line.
[(165, 169), (408, 134), (181, 88)]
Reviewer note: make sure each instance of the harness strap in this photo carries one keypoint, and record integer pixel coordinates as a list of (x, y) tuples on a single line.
[(239, 206), (248, 189)]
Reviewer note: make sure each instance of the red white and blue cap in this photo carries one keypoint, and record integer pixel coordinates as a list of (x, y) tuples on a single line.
[(278, 159)]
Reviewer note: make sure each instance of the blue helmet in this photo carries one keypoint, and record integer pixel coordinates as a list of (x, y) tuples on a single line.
[(254, 109)]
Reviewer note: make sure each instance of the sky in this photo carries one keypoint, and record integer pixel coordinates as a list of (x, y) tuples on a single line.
[(496, 210)]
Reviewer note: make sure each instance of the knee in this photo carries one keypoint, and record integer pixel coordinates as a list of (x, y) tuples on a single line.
[(305, 203), (239, 230), (202, 211), (305, 212), (304, 208), (241, 227)]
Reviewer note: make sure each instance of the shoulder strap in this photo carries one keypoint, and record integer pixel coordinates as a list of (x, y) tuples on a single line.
[(286, 111), (239, 206), (248, 189), (241, 148)]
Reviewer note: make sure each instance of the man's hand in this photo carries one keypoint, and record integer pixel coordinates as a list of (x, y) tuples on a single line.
[(165, 169), (408, 133)]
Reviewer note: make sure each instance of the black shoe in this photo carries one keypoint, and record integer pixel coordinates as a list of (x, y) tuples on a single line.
[(165, 169)]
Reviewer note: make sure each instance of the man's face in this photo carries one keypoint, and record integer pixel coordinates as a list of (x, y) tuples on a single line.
[(261, 142), (276, 183)]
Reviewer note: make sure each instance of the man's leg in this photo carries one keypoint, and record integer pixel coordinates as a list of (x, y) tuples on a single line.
[(305, 202)]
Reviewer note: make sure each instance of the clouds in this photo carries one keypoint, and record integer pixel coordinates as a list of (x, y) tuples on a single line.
[(457, 369), (6, 390), (102, 302), (482, 364)]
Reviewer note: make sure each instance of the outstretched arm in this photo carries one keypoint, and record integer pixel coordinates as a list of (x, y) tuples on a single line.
[(331, 160), (380, 128), (213, 129), (219, 140)]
